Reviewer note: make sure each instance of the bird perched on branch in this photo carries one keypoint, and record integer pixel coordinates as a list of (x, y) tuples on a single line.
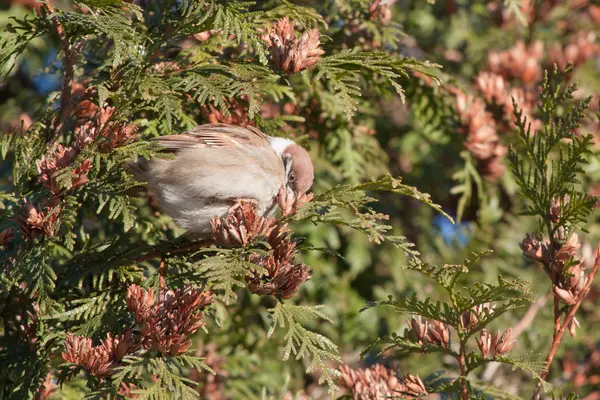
[(217, 166)]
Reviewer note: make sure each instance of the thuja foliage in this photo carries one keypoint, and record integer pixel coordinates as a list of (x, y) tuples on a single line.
[(549, 177), (103, 296), (547, 168), (457, 326), (99, 293)]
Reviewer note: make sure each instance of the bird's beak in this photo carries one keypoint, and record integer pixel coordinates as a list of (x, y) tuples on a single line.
[(290, 195)]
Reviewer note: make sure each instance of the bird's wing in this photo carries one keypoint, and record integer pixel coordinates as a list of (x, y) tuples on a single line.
[(215, 135)]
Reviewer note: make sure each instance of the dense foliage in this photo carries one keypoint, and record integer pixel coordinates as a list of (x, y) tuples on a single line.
[(473, 102)]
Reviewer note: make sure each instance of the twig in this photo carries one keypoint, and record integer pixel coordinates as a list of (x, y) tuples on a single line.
[(161, 272), (529, 316), (188, 247), (559, 329), (464, 392), (69, 68)]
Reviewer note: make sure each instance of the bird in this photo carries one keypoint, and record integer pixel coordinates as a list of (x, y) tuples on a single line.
[(217, 166)]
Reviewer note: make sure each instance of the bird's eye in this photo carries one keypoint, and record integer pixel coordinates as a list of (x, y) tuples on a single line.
[(292, 177)]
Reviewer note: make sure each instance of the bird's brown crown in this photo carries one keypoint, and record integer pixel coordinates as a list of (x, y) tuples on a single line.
[(302, 167)]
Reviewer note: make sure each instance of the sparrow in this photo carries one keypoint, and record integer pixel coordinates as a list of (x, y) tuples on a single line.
[(217, 166)]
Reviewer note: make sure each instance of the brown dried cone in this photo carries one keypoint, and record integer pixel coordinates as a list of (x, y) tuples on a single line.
[(379, 382), (482, 140), (289, 53), (582, 47), (166, 67), (167, 324), (535, 249), (126, 390), (493, 345), (414, 386), (111, 134), (241, 226), (238, 114), (85, 107), (469, 319), (22, 318), (595, 13), (439, 334), (27, 326), (526, 100), (373, 383), (567, 251), (100, 360), (496, 90), (567, 296), (493, 87), (555, 208), (34, 222), (519, 62), (417, 330), (203, 36), (59, 159), (566, 270), (283, 277), (17, 126)]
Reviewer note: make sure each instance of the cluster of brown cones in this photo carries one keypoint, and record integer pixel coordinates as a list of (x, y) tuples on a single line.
[(165, 324), (281, 276), (379, 382)]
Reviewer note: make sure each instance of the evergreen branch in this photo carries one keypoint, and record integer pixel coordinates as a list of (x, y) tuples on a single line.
[(168, 371), (438, 310), (397, 345), (69, 60), (224, 272), (326, 207), (306, 16), (558, 334), (233, 18), (16, 37), (304, 343), (343, 71), (487, 391), (466, 178), (537, 369)]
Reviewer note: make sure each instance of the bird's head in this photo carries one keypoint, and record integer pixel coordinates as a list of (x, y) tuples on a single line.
[(299, 171)]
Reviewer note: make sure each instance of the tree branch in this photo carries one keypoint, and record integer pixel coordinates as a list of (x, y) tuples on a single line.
[(69, 60), (559, 329), (176, 250)]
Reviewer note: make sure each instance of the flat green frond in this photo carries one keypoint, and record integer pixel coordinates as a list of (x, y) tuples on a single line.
[(305, 344), (170, 382), (349, 206), (224, 273), (343, 72), (548, 164), (525, 363), (435, 310)]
